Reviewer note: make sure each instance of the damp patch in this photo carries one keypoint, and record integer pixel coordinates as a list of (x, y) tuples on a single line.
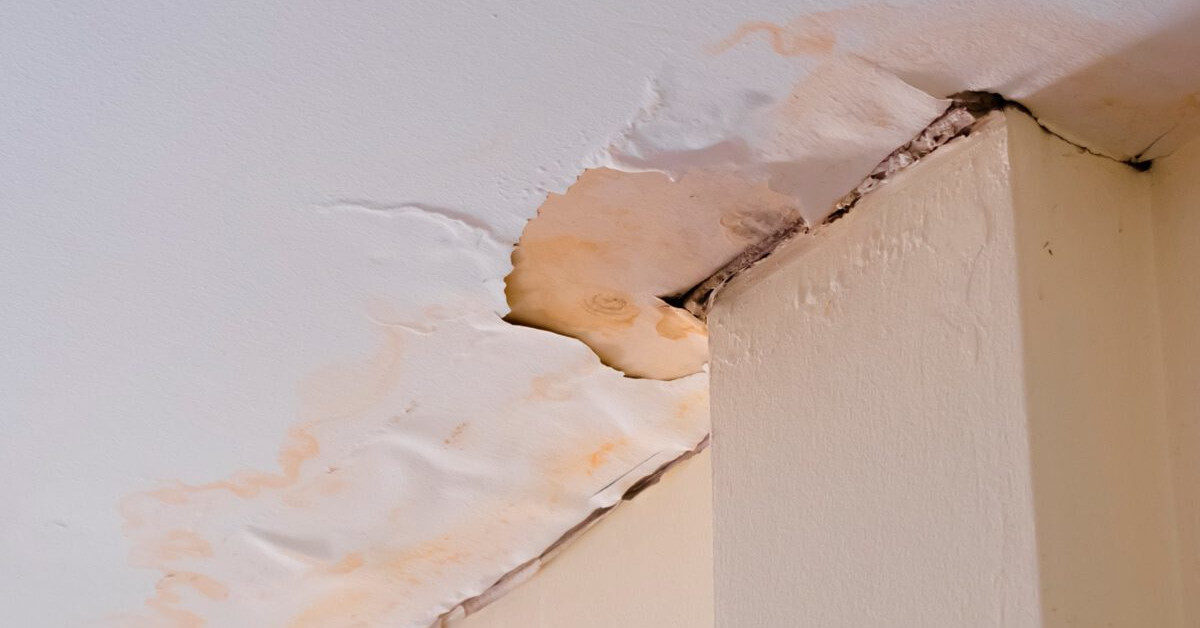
[(600, 261)]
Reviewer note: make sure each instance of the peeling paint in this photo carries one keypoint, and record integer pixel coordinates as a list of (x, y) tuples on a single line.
[(591, 268), (956, 122), (266, 244)]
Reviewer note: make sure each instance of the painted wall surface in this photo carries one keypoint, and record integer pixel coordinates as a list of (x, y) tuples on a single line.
[(1176, 183), (1093, 368), (255, 369), (870, 455), (946, 407), (646, 565)]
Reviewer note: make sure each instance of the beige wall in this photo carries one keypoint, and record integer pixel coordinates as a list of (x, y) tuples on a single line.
[(870, 450), (1177, 238), (648, 564), (1094, 380), (946, 409)]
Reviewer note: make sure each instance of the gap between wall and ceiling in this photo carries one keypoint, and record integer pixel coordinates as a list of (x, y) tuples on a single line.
[(966, 110)]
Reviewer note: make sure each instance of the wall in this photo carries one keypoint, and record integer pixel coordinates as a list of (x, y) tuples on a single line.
[(1177, 235), (648, 564), (882, 481), (945, 408), (1094, 378)]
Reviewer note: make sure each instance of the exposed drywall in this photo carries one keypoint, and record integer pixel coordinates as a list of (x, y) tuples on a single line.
[(646, 565), (1177, 247), (946, 407)]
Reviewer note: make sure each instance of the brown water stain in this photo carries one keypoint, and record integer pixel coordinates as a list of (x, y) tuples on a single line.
[(374, 581), (350, 389), (173, 545), (371, 589), (301, 447), (340, 392), (342, 608), (333, 393), (685, 409), (595, 261), (347, 564), (574, 466), (166, 596), (456, 434), (312, 492), (548, 388), (537, 293), (675, 323), (813, 36), (599, 457)]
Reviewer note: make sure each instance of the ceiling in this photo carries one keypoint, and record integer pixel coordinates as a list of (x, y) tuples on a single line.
[(256, 370)]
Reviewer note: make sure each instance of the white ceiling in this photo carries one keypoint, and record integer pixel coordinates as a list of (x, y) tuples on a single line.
[(254, 367)]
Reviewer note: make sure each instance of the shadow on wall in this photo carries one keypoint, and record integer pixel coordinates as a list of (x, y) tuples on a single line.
[(1098, 454)]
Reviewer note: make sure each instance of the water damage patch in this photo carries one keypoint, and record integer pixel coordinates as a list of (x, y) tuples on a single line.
[(598, 260), (629, 263)]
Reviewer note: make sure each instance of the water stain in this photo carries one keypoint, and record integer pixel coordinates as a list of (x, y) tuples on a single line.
[(340, 392), (336, 392), (676, 324), (596, 261), (599, 457), (347, 564), (167, 597), (348, 389), (341, 608), (549, 388), (315, 490), (813, 35), (456, 434), (172, 545), (369, 585), (686, 409), (301, 447), (372, 582)]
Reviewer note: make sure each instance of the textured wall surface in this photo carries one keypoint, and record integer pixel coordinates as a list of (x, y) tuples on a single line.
[(1094, 385), (870, 458), (1177, 242), (947, 407)]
